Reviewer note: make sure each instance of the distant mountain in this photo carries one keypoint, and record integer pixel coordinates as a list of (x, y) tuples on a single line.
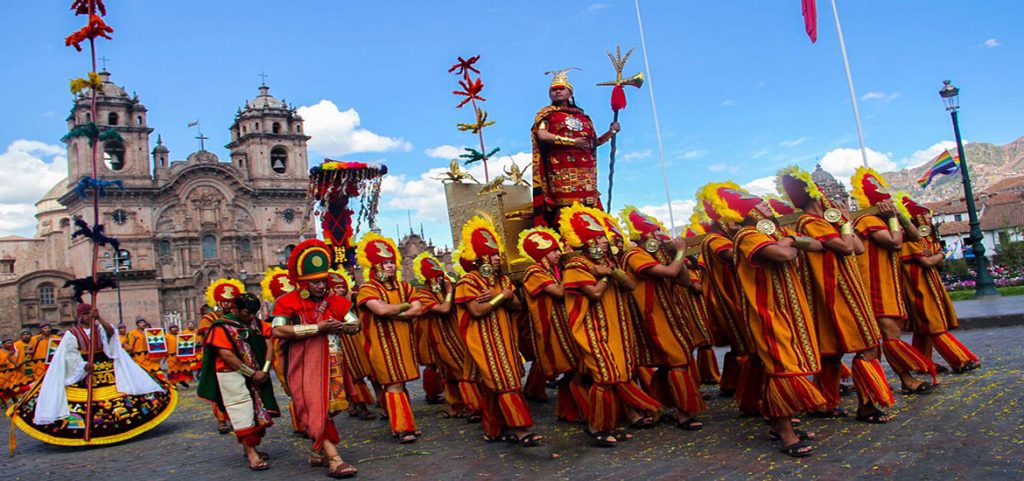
[(988, 163)]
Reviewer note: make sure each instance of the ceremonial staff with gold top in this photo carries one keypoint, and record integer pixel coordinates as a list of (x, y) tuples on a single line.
[(618, 103)]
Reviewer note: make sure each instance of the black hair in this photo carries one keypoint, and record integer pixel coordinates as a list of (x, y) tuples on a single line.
[(248, 302)]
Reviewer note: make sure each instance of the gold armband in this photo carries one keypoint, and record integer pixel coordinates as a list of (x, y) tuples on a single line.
[(306, 330), (846, 229), (279, 321), (245, 370), (802, 242), (894, 224), (405, 306), (351, 318), (603, 279), (559, 140), (680, 255), (619, 276), (497, 299), (266, 366), (448, 298)]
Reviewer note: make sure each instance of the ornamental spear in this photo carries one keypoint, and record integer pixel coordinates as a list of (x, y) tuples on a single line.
[(618, 103)]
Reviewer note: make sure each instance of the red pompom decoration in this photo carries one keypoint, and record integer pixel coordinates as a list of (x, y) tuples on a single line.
[(618, 98)]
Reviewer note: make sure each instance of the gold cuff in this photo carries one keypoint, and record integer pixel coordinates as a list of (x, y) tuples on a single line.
[(559, 140), (245, 370), (278, 321), (306, 330), (894, 224), (603, 279), (405, 306), (266, 366), (846, 229), (448, 297), (619, 276), (351, 318), (497, 299), (802, 242), (680, 255)]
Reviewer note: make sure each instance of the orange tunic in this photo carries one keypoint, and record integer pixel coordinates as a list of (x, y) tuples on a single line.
[(449, 350), (777, 307), (880, 269), (177, 369), (599, 327), (929, 308), (42, 346), (357, 363), (492, 340), (139, 351), (549, 324), (843, 316), (662, 308), (721, 288), (12, 377), (388, 342)]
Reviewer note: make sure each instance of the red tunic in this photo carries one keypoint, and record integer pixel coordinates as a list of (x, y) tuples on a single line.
[(563, 174)]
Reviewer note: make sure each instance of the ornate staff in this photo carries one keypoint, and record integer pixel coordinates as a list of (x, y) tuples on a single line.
[(618, 103), (471, 89)]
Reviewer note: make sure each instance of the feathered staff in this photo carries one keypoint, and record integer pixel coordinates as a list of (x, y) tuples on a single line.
[(618, 103), (471, 89)]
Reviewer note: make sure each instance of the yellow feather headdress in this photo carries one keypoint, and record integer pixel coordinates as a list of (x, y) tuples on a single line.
[(710, 193), (565, 227), (349, 284), (635, 234), (417, 266), (478, 222), (362, 256), (521, 243), (803, 176), (269, 277), (219, 284), (456, 261), (858, 179)]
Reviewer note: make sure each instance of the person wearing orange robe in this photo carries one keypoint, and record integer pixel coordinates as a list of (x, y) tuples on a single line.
[(660, 283), (883, 231), (197, 361), (485, 301), (178, 371), (426, 354), (595, 300), (556, 352), (448, 351), (41, 346), (778, 311), (275, 283), (220, 301), (843, 317), (138, 349), (387, 311), (24, 354), (356, 369), (13, 381), (930, 310), (706, 361)]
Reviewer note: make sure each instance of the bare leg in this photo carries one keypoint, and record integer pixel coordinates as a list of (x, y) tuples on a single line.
[(890, 330)]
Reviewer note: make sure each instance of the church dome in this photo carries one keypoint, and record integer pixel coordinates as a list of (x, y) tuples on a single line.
[(49, 202), (820, 177), (265, 101)]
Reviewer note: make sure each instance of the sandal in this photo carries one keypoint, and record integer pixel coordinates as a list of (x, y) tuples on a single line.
[(342, 470), (223, 429), (603, 439), (501, 438), (969, 366), (622, 435), (263, 456), (406, 437), (645, 422), (474, 418), (691, 424), (941, 369), (924, 388), (316, 459), (530, 440), (800, 433), (877, 417), (260, 465), (834, 413), (798, 449)]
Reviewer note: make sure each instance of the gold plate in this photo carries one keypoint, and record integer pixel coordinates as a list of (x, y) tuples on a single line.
[(766, 226), (833, 215), (925, 230)]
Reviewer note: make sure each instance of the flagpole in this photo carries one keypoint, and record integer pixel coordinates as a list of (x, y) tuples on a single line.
[(849, 81), (654, 110)]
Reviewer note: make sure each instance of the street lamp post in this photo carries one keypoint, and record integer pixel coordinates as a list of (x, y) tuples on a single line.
[(984, 286)]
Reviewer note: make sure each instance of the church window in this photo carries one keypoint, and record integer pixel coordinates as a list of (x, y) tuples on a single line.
[(288, 250), (245, 246), (165, 248), (279, 159), (138, 120), (276, 128), (112, 118), (123, 261), (120, 216), (257, 126), (88, 117), (6, 266), (113, 155), (244, 130), (46, 295), (298, 128), (209, 247)]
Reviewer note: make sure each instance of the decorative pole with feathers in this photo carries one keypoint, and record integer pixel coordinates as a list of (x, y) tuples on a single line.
[(471, 89), (618, 103)]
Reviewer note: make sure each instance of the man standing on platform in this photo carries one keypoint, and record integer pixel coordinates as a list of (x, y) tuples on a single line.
[(564, 154)]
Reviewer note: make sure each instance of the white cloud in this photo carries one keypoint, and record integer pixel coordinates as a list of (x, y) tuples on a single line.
[(761, 186), (728, 102), (793, 143), (693, 154), (880, 96), (335, 132), (634, 155), (992, 43), (596, 7), (681, 210), (922, 157), (447, 152), (31, 169), (723, 167), (842, 162)]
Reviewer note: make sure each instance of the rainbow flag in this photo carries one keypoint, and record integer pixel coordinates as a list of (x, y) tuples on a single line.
[(944, 164)]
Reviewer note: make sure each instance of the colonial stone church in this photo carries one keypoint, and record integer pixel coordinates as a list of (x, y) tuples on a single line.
[(181, 223)]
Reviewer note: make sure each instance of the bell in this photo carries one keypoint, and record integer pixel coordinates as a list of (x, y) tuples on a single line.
[(277, 164)]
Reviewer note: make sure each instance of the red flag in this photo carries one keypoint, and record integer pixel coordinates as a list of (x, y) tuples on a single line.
[(811, 19)]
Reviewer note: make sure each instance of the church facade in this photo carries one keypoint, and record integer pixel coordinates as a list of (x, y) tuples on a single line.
[(181, 223)]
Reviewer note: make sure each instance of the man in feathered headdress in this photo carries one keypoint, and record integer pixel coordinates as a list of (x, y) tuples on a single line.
[(356, 368), (303, 318), (387, 310), (929, 308), (706, 361), (564, 154), (422, 327), (884, 229), (556, 352), (777, 309), (843, 315), (484, 298), (220, 300), (440, 326), (660, 281), (601, 326)]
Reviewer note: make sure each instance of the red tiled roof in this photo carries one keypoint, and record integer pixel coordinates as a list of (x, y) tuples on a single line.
[(1012, 183), (954, 228), (1004, 215)]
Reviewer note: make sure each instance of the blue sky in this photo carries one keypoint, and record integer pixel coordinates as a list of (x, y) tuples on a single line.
[(740, 89)]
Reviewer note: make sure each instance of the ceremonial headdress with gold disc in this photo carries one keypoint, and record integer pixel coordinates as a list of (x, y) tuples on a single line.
[(797, 185), (779, 206), (339, 277), (611, 227), (427, 267), (694, 230), (869, 187), (730, 201), (309, 261), (275, 284), (374, 249), (461, 265), (480, 241), (538, 242), (917, 212), (221, 290), (560, 78), (580, 225), (640, 225)]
